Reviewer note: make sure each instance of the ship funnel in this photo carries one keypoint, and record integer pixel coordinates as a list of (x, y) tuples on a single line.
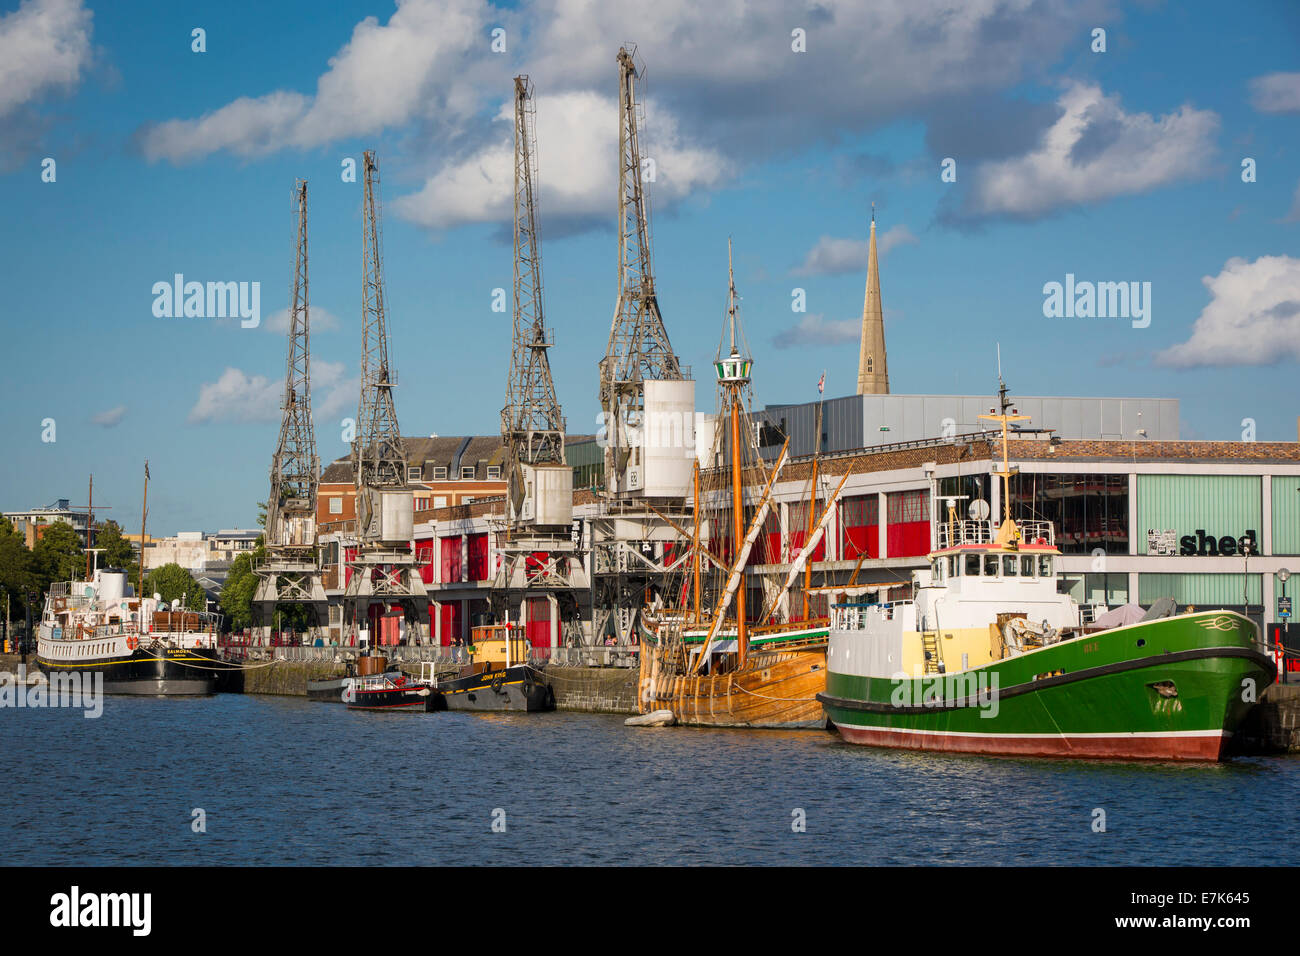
[(112, 586)]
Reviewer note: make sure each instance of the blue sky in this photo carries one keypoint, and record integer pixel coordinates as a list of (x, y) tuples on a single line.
[(1123, 165)]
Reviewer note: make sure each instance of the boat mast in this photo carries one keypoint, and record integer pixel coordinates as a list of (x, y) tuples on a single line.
[(695, 544), (144, 511), (733, 381), (90, 525), (1007, 534), (812, 506)]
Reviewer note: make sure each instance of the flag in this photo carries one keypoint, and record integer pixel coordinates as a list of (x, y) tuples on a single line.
[(146, 470), (821, 383)]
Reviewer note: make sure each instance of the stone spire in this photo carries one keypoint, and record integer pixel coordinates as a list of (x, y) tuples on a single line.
[(873, 370)]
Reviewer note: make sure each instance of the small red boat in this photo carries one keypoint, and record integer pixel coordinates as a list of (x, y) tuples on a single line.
[(390, 692)]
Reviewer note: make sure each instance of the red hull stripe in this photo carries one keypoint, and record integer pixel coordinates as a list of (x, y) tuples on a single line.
[(1191, 746)]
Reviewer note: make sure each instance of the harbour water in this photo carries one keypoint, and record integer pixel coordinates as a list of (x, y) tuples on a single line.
[(283, 780)]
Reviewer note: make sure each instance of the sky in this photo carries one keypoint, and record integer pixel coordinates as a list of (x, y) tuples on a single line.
[(1006, 145)]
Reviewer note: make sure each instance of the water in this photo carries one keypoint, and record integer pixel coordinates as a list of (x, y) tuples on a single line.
[(291, 781)]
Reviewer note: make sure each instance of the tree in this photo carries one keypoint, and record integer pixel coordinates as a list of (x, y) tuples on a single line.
[(117, 551), (237, 593), (17, 569), (172, 582), (58, 555)]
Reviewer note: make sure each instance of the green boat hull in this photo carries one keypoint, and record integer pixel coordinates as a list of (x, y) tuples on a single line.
[(1170, 689)]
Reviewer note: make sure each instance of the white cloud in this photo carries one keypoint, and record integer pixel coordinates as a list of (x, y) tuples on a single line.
[(577, 142), (815, 330), (333, 392), (833, 256), (44, 46), (420, 62), (239, 397), (722, 84), (110, 417), (1276, 93), (1096, 151), (1253, 317), (322, 320)]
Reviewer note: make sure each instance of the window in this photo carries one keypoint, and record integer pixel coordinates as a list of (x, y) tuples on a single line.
[(1009, 565), (1026, 566), (440, 501), (413, 474), (494, 472), (936, 569), (868, 363), (467, 473), (336, 505), (972, 565), (1089, 511), (952, 565), (440, 473), (990, 565), (1044, 566)]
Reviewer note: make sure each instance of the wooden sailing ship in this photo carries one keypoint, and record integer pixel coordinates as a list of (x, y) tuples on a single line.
[(712, 662)]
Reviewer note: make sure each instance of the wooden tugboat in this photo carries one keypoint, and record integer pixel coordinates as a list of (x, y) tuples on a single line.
[(712, 667), (498, 676)]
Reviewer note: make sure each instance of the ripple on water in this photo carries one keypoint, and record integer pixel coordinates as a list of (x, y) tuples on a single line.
[(286, 780)]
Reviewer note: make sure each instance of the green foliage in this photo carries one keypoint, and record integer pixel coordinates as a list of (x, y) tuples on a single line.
[(17, 569), (58, 555), (173, 582), (237, 593), (117, 551)]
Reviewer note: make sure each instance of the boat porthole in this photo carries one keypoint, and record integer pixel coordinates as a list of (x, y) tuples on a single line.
[(1142, 642)]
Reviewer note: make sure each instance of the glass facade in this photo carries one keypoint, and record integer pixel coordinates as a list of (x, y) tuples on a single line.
[(1093, 589), (1090, 512)]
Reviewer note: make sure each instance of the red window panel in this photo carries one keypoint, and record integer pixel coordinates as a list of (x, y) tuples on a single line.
[(860, 517), (908, 540), (424, 558), (908, 514), (451, 622), (538, 626), (478, 557), (350, 555), (452, 566), (534, 563)]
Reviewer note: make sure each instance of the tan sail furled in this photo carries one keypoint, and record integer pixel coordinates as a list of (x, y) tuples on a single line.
[(873, 369)]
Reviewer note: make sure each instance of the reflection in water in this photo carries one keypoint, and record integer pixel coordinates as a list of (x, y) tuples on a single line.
[(286, 780)]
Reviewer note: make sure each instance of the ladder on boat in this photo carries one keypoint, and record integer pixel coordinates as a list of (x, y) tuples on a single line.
[(930, 647)]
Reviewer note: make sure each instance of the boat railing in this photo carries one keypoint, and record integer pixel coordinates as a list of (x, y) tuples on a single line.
[(954, 533), (1037, 532), (968, 531), (855, 617)]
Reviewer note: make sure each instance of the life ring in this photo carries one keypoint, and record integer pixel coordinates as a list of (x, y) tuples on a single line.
[(132, 643), (498, 681)]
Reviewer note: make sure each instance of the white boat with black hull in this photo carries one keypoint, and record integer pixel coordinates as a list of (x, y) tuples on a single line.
[(141, 646)]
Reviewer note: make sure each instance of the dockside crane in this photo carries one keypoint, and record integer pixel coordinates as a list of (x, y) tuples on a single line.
[(384, 569), (647, 400), (638, 348), (541, 576), (290, 572)]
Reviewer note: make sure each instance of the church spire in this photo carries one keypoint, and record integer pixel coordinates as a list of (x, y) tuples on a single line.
[(873, 370)]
